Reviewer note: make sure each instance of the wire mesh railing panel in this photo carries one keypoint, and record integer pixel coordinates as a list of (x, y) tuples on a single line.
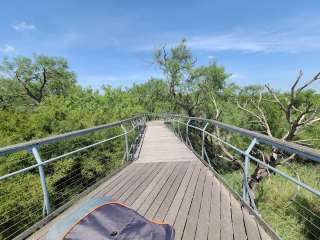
[(280, 185), (21, 204), (31, 187), (75, 173)]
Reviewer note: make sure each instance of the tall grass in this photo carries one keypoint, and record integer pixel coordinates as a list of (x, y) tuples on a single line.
[(291, 211)]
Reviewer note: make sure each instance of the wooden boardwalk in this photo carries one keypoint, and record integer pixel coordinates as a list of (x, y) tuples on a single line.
[(168, 183)]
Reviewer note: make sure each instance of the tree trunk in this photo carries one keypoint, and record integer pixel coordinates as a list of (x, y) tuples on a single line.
[(261, 171)]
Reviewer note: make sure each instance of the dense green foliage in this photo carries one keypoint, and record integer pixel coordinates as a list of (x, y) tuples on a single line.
[(40, 97)]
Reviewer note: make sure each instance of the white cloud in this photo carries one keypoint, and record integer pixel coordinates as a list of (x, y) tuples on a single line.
[(7, 48), (293, 35), (237, 76), (23, 26), (257, 42)]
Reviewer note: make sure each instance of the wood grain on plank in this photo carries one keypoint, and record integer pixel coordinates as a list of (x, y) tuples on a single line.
[(204, 214), (155, 191), (263, 234), (148, 170), (167, 169), (237, 220), (112, 188), (191, 224), (128, 183), (251, 225), (225, 211), (164, 191), (215, 219), (174, 208), (138, 191), (185, 205), (167, 201)]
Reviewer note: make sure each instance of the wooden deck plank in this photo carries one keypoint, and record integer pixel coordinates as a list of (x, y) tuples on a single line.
[(167, 201), (237, 220), (215, 217), (225, 211), (126, 179), (155, 191), (204, 214), (164, 191), (118, 182), (160, 145), (174, 208), (146, 172), (251, 226), (164, 173), (142, 187), (113, 180), (263, 234), (193, 216), (139, 174), (185, 205)]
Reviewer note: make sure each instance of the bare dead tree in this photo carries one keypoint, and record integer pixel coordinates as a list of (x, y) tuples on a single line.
[(226, 154), (298, 117), (258, 114)]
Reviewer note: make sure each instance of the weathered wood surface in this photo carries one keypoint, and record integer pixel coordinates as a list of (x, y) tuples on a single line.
[(161, 145), (177, 189)]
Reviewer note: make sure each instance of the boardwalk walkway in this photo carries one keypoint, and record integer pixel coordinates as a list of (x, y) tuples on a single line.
[(168, 183)]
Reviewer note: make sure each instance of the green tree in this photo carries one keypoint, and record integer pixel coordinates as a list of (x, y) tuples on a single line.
[(185, 80), (153, 95), (33, 79)]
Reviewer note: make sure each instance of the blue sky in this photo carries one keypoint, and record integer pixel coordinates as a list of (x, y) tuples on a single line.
[(112, 42)]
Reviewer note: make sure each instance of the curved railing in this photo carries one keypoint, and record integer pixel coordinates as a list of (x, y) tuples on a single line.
[(69, 163), (40, 178), (201, 134)]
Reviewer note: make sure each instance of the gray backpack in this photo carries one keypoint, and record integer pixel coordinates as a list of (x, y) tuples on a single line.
[(102, 219)]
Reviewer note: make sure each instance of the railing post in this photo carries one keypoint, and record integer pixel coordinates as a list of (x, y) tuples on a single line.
[(203, 135), (246, 170), (43, 181), (187, 129), (126, 141), (179, 127), (132, 124), (143, 120)]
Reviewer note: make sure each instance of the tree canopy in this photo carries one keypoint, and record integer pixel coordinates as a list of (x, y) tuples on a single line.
[(187, 81), (39, 96)]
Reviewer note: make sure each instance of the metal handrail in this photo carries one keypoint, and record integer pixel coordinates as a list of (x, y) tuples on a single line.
[(304, 152), (64, 136), (43, 163), (33, 146), (246, 154)]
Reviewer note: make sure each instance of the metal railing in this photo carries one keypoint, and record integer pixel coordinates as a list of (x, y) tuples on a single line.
[(130, 130), (304, 152), (127, 132), (182, 126)]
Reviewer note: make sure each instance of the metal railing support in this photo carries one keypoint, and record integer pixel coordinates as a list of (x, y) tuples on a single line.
[(46, 200), (203, 135), (126, 141), (132, 124), (179, 127), (246, 194), (187, 129)]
